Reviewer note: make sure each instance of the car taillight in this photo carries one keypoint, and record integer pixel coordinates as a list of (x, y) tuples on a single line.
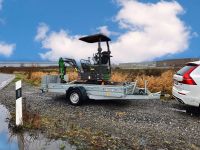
[(187, 79)]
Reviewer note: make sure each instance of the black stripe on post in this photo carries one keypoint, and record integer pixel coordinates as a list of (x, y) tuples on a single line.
[(18, 93)]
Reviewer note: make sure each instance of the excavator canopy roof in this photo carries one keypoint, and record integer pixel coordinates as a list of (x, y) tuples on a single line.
[(95, 38)]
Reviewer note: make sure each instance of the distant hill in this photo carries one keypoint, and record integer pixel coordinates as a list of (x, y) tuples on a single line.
[(27, 64)]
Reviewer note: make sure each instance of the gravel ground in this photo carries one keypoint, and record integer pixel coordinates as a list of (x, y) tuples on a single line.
[(142, 124)]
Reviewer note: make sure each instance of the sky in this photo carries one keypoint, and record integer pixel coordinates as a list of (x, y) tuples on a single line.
[(141, 30)]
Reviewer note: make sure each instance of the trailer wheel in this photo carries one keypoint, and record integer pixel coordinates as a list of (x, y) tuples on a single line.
[(76, 96)]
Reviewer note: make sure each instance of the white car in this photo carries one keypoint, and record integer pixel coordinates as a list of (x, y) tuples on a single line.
[(186, 87)]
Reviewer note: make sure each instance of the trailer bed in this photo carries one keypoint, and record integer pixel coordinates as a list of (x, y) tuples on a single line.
[(123, 91)]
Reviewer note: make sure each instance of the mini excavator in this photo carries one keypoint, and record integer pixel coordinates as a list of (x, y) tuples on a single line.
[(96, 72)]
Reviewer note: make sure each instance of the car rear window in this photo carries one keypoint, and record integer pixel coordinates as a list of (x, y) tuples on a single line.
[(183, 70)]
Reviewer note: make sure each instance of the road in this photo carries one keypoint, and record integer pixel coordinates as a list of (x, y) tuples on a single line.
[(5, 79)]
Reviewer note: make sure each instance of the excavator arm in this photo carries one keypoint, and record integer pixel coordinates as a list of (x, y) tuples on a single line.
[(62, 66)]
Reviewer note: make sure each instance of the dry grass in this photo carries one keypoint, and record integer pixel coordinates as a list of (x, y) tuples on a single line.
[(32, 77), (119, 77), (162, 81), (38, 75), (35, 77)]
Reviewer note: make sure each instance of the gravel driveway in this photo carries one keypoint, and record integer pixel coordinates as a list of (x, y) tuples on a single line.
[(140, 124)]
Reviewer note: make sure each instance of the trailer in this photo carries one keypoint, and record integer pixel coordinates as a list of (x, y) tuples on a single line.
[(77, 93), (94, 78)]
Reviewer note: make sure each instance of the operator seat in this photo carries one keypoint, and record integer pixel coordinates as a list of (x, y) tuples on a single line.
[(105, 57)]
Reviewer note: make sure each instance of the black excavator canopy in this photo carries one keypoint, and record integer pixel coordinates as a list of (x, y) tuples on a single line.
[(95, 38)]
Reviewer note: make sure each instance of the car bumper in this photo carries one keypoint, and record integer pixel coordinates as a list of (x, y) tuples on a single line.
[(185, 97)]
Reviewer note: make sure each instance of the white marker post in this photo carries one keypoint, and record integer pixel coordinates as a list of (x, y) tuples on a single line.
[(18, 87)]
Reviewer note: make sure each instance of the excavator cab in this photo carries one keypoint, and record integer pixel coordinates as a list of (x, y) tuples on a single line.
[(100, 70)]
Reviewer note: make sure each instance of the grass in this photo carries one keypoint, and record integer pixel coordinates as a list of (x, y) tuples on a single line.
[(33, 78), (72, 132), (19, 76), (158, 80), (162, 82), (30, 121)]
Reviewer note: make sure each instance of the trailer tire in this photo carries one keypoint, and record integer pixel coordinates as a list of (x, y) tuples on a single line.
[(76, 95)]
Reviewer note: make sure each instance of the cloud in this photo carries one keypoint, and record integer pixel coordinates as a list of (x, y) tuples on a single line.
[(61, 44), (195, 34), (151, 30), (41, 31), (6, 49), (104, 30)]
